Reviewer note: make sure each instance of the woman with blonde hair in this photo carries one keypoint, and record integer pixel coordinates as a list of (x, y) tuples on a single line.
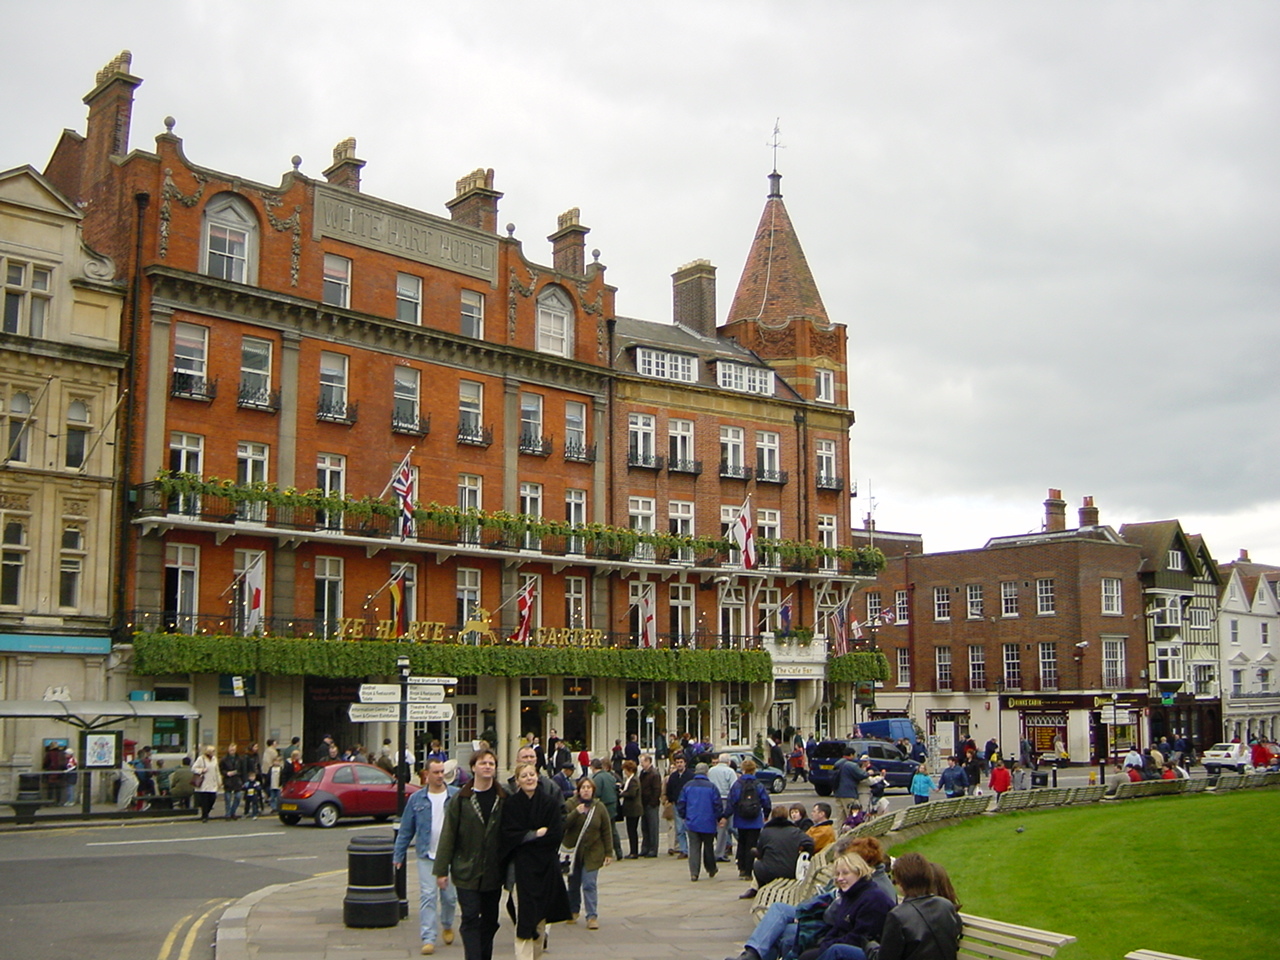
[(207, 779), (531, 830), (856, 915)]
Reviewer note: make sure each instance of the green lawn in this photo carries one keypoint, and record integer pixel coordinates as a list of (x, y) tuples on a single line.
[(1195, 875)]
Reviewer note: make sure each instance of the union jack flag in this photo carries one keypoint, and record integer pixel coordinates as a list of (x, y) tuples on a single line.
[(403, 485), (784, 616)]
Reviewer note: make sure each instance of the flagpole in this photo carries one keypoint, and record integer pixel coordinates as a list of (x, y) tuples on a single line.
[(396, 471), (390, 580), (31, 415), (260, 558), (102, 432)]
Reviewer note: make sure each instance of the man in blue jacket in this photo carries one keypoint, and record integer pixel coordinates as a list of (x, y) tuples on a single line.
[(701, 808), (953, 781), (422, 822)]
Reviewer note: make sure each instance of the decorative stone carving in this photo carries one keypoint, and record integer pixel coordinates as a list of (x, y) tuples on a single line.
[(15, 501), (171, 193), (75, 508), (95, 266), (516, 288), (294, 224)]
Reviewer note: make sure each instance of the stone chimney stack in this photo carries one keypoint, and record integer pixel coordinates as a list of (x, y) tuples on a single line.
[(476, 202), (1055, 512), (693, 294), (345, 171), (110, 114), (1088, 513), (569, 244), (1244, 555)]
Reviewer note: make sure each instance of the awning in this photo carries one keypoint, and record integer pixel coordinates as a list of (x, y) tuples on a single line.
[(96, 714)]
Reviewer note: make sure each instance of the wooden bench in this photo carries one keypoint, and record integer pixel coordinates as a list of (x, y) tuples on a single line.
[(1013, 800), (1149, 788), (1154, 955), (1256, 779), (1196, 785), (995, 940), (1229, 781), (876, 827), (1086, 794), (812, 873), (915, 815)]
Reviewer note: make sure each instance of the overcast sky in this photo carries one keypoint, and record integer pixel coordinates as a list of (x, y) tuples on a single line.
[(1052, 229)]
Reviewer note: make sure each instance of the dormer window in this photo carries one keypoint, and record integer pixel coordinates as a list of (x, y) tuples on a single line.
[(555, 323), (666, 365), (744, 379), (230, 240), (1175, 560)]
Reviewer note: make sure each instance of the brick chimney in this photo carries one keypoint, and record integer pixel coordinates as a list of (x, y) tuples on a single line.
[(345, 171), (1088, 513), (569, 244), (110, 114), (476, 202), (1244, 555), (1055, 512), (693, 295)]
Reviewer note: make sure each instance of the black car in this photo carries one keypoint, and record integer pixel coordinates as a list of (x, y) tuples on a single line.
[(885, 757)]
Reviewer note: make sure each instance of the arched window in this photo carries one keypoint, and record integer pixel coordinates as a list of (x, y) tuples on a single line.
[(555, 323), (77, 433), (229, 241)]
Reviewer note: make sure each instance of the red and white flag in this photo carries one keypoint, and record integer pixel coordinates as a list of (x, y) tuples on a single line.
[(840, 630), (648, 618), (253, 596), (743, 536), (525, 600)]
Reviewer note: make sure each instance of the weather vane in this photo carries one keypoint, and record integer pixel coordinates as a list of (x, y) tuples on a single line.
[(777, 130)]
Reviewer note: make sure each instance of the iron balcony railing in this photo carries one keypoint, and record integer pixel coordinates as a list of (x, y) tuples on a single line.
[(474, 434), (829, 481), (579, 453), (649, 461), (338, 411), (410, 424), (535, 445), (258, 398), (188, 386), (685, 466), (771, 476), (735, 471)]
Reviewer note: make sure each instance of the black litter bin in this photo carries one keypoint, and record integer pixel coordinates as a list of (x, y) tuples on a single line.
[(371, 899), (1039, 778), (29, 786)]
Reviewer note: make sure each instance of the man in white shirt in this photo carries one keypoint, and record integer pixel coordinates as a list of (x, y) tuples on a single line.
[(422, 821), (724, 777)]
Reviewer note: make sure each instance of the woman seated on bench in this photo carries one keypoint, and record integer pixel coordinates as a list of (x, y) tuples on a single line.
[(926, 924)]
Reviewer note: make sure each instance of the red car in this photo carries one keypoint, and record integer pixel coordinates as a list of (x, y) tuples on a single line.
[(328, 792)]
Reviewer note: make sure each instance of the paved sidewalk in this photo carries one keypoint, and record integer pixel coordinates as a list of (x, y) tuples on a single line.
[(648, 909)]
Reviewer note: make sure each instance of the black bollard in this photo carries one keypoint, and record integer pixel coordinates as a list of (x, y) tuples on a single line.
[(371, 899)]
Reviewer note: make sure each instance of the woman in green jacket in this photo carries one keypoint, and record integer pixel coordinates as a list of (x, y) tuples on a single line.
[(588, 832)]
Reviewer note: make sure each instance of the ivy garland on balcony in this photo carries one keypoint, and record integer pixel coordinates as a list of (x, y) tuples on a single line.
[(162, 653), (863, 665), (513, 528)]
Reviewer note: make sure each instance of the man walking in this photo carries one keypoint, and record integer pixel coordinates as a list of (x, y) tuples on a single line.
[(676, 780), (607, 793), (701, 809), (468, 852), (849, 778), (723, 777), (651, 801), (232, 768), (422, 824)]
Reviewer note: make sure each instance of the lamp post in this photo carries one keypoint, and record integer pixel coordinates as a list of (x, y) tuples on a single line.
[(402, 767), (998, 683)]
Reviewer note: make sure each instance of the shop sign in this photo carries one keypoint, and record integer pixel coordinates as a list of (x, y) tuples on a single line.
[(38, 643)]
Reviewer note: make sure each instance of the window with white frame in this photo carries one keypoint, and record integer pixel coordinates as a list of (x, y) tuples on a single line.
[(21, 427), (1237, 683), (1264, 680), (680, 445), (1233, 630), (640, 439), (576, 609), (680, 612), (328, 595), (941, 603), (575, 514), (467, 591), (873, 605), (71, 567), (768, 527), (190, 360), (186, 455), (1113, 672), (555, 323), (575, 431), (181, 586), (666, 365), (230, 239), (825, 383), (728, 517), (405, 412), (1264, 633), (251, 468), (1201, 618), (680, 524), (1166, 611), (1204, 679), (530, 421), (1048, 666), (973, 604), (902, 605), (77, 437), (732, 447), (408, 298), (904, 667), (768, 602), (27, 289), (768, 455), (1009, 598), (942, 665), (470, 409), (333, 385), (1046, 601), (255, 373), (331, 481), (1176, 559), (977, 667), (744, 379), (1168, 661), (826, 461), (827, 538), (337, 280), (470, 497), (471, 323), (1112, 603), (531, 506), (640, 513), (13, 558), (1012, 666)]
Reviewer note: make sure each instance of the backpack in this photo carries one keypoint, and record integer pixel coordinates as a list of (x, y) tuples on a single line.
[(748, 805)]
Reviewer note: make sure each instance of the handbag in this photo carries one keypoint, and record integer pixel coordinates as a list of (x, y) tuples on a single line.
[(569, 854), (197, 779), (669, 811)]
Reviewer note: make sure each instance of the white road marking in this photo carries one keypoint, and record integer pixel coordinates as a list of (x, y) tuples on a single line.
[(223, 836), (297, 858)]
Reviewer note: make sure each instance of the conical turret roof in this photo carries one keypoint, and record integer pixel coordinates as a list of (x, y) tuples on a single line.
[(776, 282)]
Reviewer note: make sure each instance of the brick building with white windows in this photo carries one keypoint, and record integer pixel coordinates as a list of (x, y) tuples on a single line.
[(296, 344)]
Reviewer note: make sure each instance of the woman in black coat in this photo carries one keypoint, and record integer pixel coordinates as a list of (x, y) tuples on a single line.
[(532, 828)]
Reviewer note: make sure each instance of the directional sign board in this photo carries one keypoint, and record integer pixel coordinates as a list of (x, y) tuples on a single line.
[(390, 693), (390, 712), (438, 681)]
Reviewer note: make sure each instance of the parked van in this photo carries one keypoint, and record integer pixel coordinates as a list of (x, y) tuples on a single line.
[(891, 728)]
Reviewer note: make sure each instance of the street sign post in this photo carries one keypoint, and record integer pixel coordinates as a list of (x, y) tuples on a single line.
[(390, 712), (390, 693), (438, 681)]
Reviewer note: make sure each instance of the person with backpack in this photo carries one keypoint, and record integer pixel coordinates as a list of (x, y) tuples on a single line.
[(777, 850), (749, 803)]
